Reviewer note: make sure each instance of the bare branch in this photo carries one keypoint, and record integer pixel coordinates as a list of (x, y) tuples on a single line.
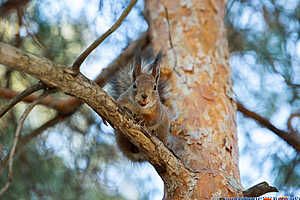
[(289, 83), (11, 5), (259, 189), (34, 36), (20, 97), (291, 169), (58, 76), (19, 40), (290, 138), (69, 105), (28, 137), (143, 42), (63, 106), (84, 55), (16, 139), (11, 115)]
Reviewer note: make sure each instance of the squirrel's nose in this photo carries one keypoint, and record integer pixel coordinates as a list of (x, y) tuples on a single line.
[(144, 96)]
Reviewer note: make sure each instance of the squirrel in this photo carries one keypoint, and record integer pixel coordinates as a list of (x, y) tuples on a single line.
[(141, 92)]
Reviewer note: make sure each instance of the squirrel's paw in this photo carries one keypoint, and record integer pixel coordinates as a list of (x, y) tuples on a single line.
[(153, 132), (139, 120), (125, 109)]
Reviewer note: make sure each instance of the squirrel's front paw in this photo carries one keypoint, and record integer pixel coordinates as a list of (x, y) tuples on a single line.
[(153, 132), (125, 109), (139, 120)]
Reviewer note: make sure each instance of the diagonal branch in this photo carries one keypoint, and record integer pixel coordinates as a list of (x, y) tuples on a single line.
[(67, 106), (84, 55), (58, 76), (63, 106), (143, 43), (20, 97), (15, 142), (292, 139), (70, 104)]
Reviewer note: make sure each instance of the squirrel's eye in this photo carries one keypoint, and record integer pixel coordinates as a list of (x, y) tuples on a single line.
[(154, 87), (134, 85)]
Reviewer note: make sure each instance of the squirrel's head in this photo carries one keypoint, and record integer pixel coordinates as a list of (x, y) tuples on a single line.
[(145, 85)]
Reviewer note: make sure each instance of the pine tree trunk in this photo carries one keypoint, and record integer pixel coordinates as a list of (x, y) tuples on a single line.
[(192, 35)]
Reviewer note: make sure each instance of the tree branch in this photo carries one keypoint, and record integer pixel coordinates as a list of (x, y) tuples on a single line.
[(84, 55), (16, 139), (63, 106), (58, 76), (292, 139), (28, 137), (69, 105), (143, 43), (11, 5), (20, 97), (259, 189)]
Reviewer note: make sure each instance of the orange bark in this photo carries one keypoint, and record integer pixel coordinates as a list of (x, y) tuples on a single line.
[(193, 37)]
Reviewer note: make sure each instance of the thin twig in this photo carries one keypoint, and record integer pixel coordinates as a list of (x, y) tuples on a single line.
[(83, 56), (291, 138), (12, 115), (62, 105), (89, 92), (28, 137), (19, 39), (21, 96), (16, 139), (69, 105), (291, 169), (33, 36), (143, 43)]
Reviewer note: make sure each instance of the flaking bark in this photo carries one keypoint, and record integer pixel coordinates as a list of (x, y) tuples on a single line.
[(192, 34)]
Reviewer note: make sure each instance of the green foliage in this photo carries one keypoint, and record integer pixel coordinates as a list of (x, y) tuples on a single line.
[(47, 177)]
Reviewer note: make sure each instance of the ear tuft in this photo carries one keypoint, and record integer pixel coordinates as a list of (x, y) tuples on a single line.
[(137, 65), (156, 66)]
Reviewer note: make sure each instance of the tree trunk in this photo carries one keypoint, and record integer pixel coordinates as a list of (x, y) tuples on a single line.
[(193, 37)]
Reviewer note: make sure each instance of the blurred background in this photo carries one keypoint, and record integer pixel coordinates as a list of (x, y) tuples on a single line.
[(75, 157)]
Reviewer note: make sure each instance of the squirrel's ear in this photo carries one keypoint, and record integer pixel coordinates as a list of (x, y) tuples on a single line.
[(138, 65), (156, 66)]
